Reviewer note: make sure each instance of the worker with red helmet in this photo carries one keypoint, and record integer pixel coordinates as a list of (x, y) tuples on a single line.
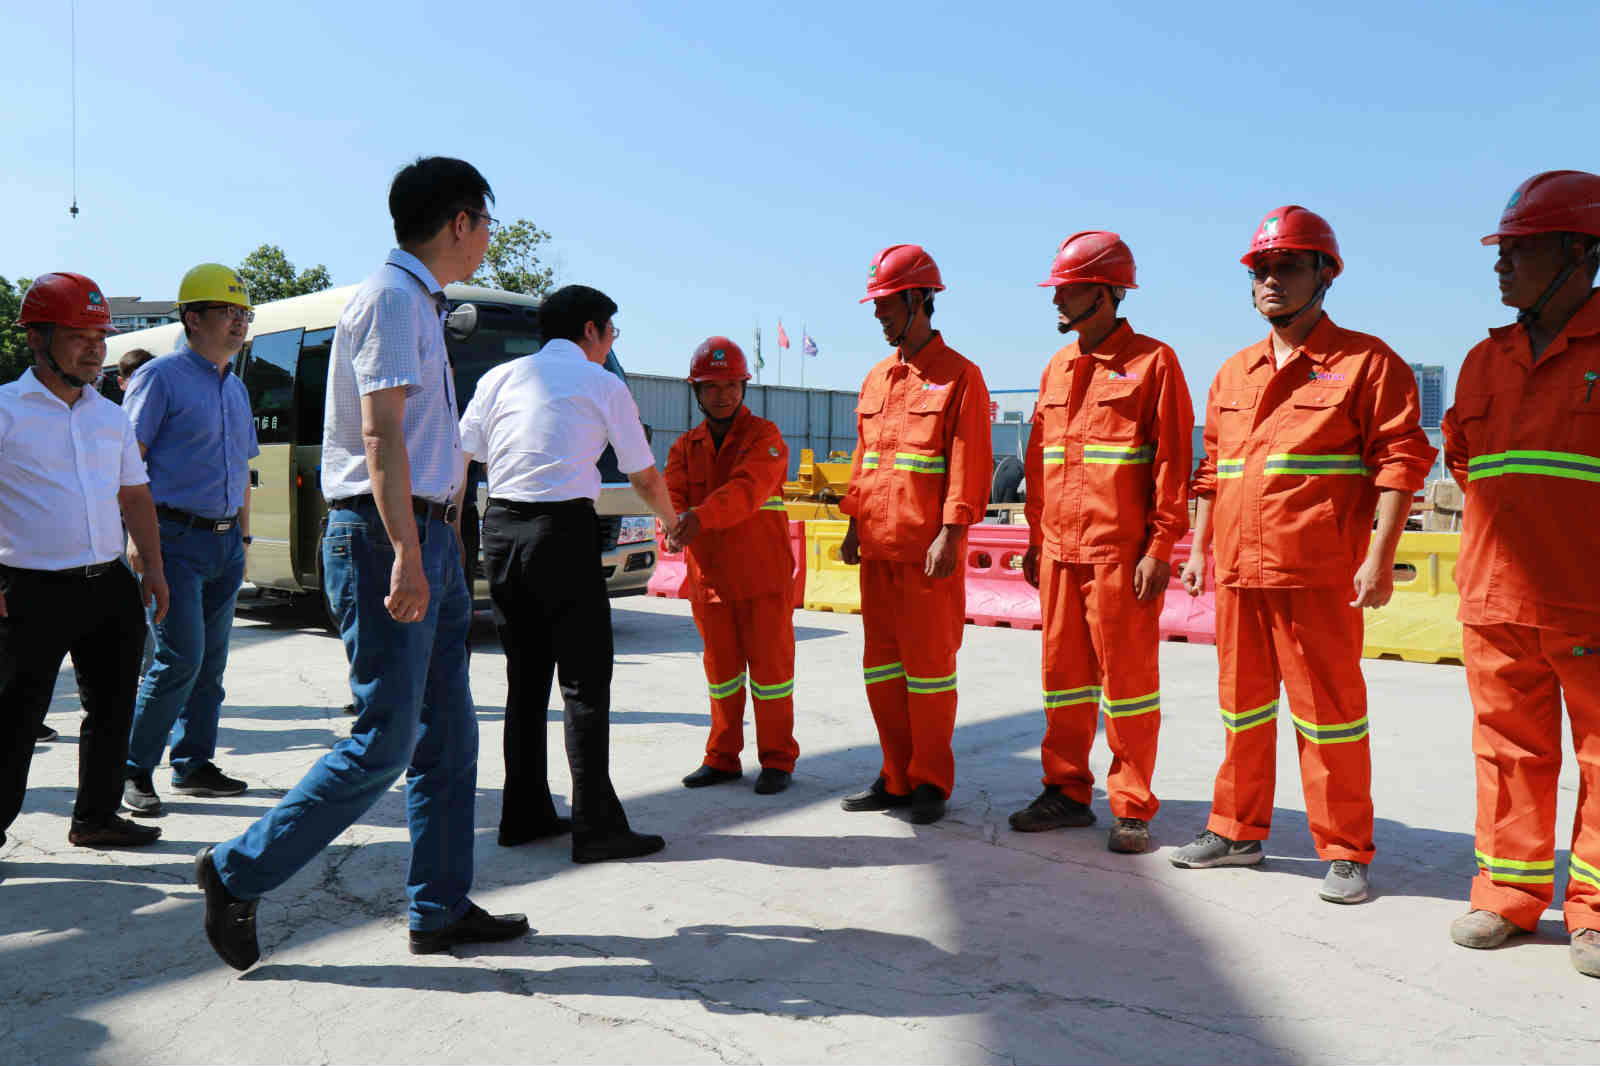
[(1308, 434), (1107, 473), (726, 480), (71, 477), (1523, 440), (921, 474)]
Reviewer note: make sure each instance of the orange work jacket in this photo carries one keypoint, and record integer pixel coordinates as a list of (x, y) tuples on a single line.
[(1523, 440), (924, 457), (1295, 457), (1109, 452), (743, 548)]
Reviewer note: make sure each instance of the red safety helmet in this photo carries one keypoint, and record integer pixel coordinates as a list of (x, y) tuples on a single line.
[(900, 267), (1293, 228), (1557, 201), (1092, 257), (62, 299), (718, 359)]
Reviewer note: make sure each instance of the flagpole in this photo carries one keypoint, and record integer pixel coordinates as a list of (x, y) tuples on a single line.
[(758, 353), (780, 352), (803, 336)]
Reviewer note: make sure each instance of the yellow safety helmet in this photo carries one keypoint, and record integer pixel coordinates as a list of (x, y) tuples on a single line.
[(213, 283)]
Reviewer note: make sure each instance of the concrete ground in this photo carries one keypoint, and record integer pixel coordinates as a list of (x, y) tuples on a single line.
[(782, 929)]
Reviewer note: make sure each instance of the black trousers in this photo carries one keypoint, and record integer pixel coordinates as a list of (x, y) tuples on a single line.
[(100, 622), (554, 617)]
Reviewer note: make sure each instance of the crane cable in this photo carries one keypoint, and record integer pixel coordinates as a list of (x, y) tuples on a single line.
[(73, 8)]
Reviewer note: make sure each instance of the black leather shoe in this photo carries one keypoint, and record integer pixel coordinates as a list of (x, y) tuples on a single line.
[(230, 921), (113, 832), (771, 781), (710, 775), (477, 926), (877, 797), (927, 805), (624, 845), (510, 837)]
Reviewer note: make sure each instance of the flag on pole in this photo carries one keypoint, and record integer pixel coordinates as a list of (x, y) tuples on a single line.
[(760, 362), (783, 338), (807, 345)]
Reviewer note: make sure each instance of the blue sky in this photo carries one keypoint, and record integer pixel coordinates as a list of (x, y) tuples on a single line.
[(714, 166)]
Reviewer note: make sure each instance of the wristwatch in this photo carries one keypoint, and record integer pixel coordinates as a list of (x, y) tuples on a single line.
[(247, 538)]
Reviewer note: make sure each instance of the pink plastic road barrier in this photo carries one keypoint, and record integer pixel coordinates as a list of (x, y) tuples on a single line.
[(670, 573), (997, 593), (1185, 617)]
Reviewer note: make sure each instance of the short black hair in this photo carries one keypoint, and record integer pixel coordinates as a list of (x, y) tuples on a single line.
[(566, 311), (132, 360), (428, 194)]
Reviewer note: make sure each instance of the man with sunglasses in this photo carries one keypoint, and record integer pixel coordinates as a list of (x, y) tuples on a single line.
[(1308, 433), (192, 419)]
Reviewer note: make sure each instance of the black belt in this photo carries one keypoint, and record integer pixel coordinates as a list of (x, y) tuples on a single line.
[(194, 521), (444, 512), (81, 573), (539, 507)]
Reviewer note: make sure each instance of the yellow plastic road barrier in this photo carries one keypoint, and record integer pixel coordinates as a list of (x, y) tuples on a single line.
[(831, 585), (1419, 624)]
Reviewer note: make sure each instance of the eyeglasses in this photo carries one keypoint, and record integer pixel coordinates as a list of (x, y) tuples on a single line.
[(483, 216), (615, 332), (232, 311)]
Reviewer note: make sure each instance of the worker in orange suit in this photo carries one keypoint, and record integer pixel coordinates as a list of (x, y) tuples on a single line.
[(921, 474), (1107, 474), (1523, 440), (726, 480), (1308, 433)]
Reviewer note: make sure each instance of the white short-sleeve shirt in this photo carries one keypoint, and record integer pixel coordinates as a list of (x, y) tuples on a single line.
[(60, 470), (540, 423)]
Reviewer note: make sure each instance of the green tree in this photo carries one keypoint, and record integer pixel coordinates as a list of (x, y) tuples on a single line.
[(512, 261), (15, 355), (269, 275)]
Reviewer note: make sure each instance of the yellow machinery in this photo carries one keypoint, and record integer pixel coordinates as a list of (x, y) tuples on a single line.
[(818, 487)]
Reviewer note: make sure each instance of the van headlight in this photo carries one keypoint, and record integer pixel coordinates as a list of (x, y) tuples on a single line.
[(636, 528)]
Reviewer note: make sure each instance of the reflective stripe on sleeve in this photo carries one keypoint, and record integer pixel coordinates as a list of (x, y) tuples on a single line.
[(774, 503), (1055, 455), (1230, 468), (1547, 464)]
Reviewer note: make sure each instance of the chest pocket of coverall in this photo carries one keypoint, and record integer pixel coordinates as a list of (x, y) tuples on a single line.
[(1236, 412), (1116, 411), (1321, 422), (924, 422), (869, 408)]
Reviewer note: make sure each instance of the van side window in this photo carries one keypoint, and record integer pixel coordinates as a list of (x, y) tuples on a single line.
[(311, 386), (269, 378)]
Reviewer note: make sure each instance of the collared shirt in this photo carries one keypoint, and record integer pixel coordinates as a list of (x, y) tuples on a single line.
[(60, 470), (1296, 456), (736, 490), (1108, 455), (391, 335), (196, 428), (1523, 440), (540, 423), (925, 456)]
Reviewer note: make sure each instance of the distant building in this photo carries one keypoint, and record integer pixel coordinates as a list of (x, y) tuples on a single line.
[(130, 312), (1432, 389)]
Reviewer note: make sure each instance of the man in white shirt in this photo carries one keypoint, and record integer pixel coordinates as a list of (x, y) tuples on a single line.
[(391, 460), (69, 463), (540, 423)]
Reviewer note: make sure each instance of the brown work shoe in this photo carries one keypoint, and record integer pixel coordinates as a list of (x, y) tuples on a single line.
[(1586, 952), (1052, 809), (1483, 929), (1130, 836)]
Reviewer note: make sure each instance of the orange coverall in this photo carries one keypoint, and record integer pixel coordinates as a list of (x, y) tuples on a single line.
[(924, 460), (1295, 458), (740, 580), (1107, 472), (1523, 439)]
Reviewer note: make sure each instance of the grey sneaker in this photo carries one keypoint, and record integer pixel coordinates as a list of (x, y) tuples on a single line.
[(1212, 849), (1346, 882), (204, 779), (1483, 929), (1586, 952), (139, 796)]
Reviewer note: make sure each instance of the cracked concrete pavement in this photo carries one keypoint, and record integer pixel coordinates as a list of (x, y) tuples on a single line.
[(781, 929)]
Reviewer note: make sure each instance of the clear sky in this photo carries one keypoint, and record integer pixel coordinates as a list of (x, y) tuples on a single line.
[(712, 166)]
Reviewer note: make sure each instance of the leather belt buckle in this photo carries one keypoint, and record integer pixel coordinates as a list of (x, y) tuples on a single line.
[(96, 569), (222, 526), (451, 513)]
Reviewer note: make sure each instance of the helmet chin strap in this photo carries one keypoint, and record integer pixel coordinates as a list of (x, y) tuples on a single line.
[(1529, 315), (1284, 321), (911, 315), (1099, 298)]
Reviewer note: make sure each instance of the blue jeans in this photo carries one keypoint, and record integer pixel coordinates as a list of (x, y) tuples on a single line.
[(181, 694), (414, 714)]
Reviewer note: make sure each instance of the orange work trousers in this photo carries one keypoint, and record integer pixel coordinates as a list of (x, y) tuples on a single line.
[(750, 640), (912, 625), (1517, 676), (1101, 648), (1309, 641)]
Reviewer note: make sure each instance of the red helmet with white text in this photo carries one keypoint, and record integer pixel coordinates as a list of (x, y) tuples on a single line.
[(718, 359), (1293, 228), (63, 299), (900, 267)]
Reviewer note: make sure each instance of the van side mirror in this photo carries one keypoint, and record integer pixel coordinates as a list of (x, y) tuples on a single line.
[(461, 323)]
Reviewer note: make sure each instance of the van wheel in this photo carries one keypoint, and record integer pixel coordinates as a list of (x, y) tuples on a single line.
[(1007, 484)]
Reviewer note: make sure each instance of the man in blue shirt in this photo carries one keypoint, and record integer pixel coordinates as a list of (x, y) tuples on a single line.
[(192, 419)]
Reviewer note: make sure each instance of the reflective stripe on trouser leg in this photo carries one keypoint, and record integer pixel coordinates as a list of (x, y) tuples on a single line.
[(724, 660), (1516, 747), (1127, 640), (1247, 694), (1071, 681), (1577, 663), (1318, 639), (768, 624)]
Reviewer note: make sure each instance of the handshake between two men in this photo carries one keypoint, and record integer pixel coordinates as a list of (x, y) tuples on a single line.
[(683, 532)]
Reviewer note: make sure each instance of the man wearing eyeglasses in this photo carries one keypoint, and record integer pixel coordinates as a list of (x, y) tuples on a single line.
[(192, 420)]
